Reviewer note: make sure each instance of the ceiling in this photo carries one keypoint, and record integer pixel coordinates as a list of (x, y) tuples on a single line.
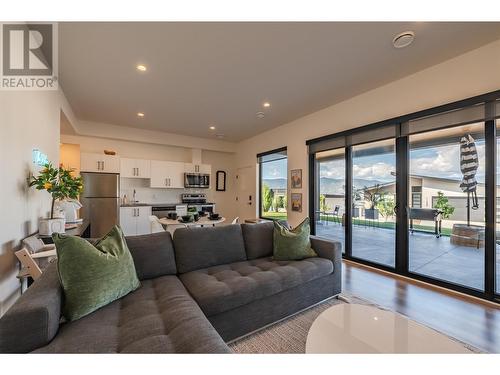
[(202, 74)]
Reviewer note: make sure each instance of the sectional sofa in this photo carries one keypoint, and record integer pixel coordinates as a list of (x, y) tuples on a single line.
[(199, 290)]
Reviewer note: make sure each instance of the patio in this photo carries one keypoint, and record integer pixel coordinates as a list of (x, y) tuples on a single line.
[(429, 256)]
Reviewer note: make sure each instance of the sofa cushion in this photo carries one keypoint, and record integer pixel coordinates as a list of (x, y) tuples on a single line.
[(159, 317), (197, 248), (258, 239), (292, 244), (93, 275), (153, 255), (225, 287)]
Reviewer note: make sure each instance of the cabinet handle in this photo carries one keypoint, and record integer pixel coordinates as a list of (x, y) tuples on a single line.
[(98, 165), (137, 169), (102, 165)]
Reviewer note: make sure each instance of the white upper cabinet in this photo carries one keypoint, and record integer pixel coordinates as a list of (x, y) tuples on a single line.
[(135, 168), (167, 174), (99, 163), (197, 168)]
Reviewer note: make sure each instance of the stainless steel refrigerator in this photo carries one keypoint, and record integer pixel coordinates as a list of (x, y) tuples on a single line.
[(101, 201)]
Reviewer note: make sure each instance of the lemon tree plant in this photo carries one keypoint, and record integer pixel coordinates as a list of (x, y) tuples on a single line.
[(59, 182)]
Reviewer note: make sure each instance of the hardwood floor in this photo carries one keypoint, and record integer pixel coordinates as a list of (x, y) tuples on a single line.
[(465, 318)]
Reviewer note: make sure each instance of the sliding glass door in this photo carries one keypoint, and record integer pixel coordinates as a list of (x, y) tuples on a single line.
[(373, 202), (497, 216), (330, 195), (416, 195), (447, 205)]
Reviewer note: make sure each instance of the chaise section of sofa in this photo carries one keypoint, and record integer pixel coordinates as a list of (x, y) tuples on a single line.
[(240, 288), (159, 317)]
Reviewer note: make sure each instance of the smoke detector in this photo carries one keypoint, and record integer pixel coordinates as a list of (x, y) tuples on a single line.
[(403, 39), (260, 114)]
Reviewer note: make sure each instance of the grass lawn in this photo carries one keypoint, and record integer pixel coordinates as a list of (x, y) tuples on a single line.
[(274, 215)]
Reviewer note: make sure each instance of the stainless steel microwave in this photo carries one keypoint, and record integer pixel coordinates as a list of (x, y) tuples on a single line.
[(196, 180)]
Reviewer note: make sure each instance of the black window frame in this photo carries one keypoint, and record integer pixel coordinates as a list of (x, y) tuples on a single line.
[(490, 102), (263, 154)]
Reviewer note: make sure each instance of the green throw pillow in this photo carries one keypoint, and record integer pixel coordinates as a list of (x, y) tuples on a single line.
[(93, 276), (292, 244)]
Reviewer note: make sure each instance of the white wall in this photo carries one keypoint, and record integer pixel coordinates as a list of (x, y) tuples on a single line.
[(473, 73), (28, 119), (219, 161)]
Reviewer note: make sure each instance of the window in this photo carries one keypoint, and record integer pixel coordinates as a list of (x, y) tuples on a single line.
[(447, 225), (417, 195), (330, 194), (273, 184)]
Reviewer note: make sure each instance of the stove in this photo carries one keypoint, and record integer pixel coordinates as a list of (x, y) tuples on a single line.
[(198, 201)]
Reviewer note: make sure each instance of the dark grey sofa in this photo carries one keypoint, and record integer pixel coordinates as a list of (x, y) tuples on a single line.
[(205, 287)]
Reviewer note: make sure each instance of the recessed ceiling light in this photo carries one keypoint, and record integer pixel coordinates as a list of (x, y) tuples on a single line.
[(266, 104), (260, 114), (212, 128), (141, 68), (140, 114), (403, 39)]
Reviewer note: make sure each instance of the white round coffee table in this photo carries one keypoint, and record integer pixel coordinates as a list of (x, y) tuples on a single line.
[(354, 328)]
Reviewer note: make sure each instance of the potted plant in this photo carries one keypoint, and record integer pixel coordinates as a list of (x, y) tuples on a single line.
[(61, 184), (373, 195)]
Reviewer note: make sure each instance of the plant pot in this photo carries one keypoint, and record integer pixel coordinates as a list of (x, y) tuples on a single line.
[(371, 213), (46, 227)]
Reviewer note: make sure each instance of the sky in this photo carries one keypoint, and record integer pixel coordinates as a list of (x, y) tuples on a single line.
[(274, 169), (443, 161)]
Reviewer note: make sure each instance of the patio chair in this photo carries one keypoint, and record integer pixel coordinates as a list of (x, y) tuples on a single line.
[(334, 214)]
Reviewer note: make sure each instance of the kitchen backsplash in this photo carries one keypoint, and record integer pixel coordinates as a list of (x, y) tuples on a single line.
[(145, 194)]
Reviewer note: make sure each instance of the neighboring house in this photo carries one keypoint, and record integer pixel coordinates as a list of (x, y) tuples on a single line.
[(424, 192)]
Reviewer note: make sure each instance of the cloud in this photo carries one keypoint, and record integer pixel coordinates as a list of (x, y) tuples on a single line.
[(378, 171), (443, 162), (438, 161), (332, 169)]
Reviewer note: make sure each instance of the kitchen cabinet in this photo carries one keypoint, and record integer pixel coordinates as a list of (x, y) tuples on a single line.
[(167, 174), (134, 221), (90, 162), (135, 168), (197, 168)]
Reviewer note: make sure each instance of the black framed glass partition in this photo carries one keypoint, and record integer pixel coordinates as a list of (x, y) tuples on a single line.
[(447, 205), (373, 194), (330, 195), (422, 195)]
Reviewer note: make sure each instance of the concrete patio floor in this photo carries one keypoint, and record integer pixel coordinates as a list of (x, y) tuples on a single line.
[(429, 256)]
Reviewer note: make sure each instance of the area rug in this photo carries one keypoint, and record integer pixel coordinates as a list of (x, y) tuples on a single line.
[(289, 335)]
